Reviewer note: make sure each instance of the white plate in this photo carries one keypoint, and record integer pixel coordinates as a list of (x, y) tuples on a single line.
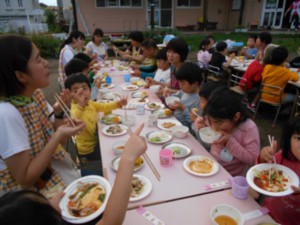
[(161, 113), (157, 106), (137, 101), (163, 135), (179, 149), (72, 188), (106, 85), (147, 188), (291, 175), (139, 94), (214, 170), (130, 87), (116, 160), (124, 130), (160, 123), (111, 96), (107, 119)]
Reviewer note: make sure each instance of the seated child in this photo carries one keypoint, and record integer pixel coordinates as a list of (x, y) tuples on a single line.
[(188, 76), (163, 72), (250, 50), (285, 210), (276, 74), (77, 66), (147, 69), (218, 58), (84, 109), (203, 56), (295, 63), (238, 147)]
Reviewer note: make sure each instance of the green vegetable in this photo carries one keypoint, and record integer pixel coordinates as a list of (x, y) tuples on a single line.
[(101, 197), (176, 150), (155, 139), (87, 190)]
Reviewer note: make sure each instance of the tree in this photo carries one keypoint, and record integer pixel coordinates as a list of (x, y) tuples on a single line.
[(51, 20)]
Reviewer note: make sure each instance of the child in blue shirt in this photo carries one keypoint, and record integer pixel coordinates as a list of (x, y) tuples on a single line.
[(250, 51)]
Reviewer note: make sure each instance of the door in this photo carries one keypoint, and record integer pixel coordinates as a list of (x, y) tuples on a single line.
[(273, 13), (162, 13)]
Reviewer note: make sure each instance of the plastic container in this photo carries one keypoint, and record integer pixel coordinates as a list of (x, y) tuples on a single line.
[(240, 187), (166, 157)]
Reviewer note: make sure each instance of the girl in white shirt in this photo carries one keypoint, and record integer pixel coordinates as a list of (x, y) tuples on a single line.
[(97, 46), (203, 55)]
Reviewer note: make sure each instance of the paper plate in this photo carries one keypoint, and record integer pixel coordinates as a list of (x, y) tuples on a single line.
[(130, 87), (115, 164), (154, 106), (291, 176), (193, 159), (106, 85), (167, 124), (72, 188), (179, 149), (162, 113), (123, 127), (146, 189), (139, 94), (111, 119), (138, 101), (158, 137)]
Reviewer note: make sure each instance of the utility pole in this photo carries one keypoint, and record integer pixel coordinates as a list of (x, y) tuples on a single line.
[(60, 13), (74, 14)]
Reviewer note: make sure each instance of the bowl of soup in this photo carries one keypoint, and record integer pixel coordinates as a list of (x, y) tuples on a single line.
[(118, 147), (208, 135), (226, 215)]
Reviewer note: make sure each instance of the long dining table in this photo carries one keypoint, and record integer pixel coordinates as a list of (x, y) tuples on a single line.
[(177, 188)]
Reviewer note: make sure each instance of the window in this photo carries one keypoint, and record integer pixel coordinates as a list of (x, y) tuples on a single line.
[(118, 3), (20, 3), (188, 3), (7, 3)]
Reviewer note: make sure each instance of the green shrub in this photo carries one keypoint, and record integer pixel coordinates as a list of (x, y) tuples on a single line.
[(48, 45)]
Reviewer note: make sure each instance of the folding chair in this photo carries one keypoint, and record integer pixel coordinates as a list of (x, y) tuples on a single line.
[(214, 73), (274, 91), (296, 106), (237, 87)]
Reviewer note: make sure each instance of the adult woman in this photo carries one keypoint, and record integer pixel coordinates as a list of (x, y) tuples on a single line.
[(134, 53), (295, 12), (97, 46), (75, 41), (28, 142)]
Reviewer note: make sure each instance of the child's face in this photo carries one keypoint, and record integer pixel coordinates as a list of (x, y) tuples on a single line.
[(251, 43), (135, 43), (149, 52), (162, 64), (97, 39), (173, 57), (295, 145), (186, 87), (81, 86), (224, 125), (203, 103)]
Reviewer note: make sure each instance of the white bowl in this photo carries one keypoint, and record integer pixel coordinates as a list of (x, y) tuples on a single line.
[(116, 146), (180, 131), (170, 100), (154, 88), (209, 135), (226, 210)]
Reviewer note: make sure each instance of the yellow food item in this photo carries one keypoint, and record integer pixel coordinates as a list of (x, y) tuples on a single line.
[(139, 161), (168, 112), (201, 166), (225, 220), (115, 119)]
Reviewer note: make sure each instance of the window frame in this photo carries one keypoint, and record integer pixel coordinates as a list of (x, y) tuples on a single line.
[(20, 4), (7, 3), (118, 5), (189, 5)]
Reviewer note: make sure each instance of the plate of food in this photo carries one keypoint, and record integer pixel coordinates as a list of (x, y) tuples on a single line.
[(179, 149), (162, 113), (158, 137), (111, 96), (106, 85), (141, 187), (130, 87), (154, 106), (139, 94), (167, 124), (85, 199), (138, 164), (111, 119), (138, 101), (271, 179), (201, 165), (115, 130)]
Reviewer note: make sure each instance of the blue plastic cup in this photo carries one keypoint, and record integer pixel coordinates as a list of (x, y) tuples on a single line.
[(108, 80), (127, 78)]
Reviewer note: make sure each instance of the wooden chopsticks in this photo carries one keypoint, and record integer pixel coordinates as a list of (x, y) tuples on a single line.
[(152, 167), (271, 140), (64, 108)]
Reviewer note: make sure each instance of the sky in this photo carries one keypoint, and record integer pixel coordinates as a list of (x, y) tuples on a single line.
[(49, 2)]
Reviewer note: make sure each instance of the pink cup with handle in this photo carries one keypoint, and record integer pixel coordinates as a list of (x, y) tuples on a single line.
[(240, 187)]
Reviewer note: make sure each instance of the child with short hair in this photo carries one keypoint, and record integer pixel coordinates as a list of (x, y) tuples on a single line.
[(238, 147), (276, 74), (285, 209), (203, 55), (218, 58), (76, 66), (250, 51), (189, 78), (86, 110)]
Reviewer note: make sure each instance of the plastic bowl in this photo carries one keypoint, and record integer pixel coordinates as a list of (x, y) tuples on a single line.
[(209, 135), (128, 121), (154, 88), (226, 211), (117, 147), (171, 100), (180, 131)]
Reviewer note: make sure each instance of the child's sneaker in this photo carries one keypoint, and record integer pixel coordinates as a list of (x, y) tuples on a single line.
[(252, 107)]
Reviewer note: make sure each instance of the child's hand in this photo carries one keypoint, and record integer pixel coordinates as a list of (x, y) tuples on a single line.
[(66, 97), (97, 82), (136, 73), (266, 154), (296, 189), (67, 129), (194, 114), (200, 122), (54, 202), (166, 92), (122, 102), (223, 139), (136, 144), (177, 105), (80, 97)]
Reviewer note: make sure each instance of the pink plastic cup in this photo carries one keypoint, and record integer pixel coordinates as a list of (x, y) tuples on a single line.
[(240, 187), (166, 157)]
